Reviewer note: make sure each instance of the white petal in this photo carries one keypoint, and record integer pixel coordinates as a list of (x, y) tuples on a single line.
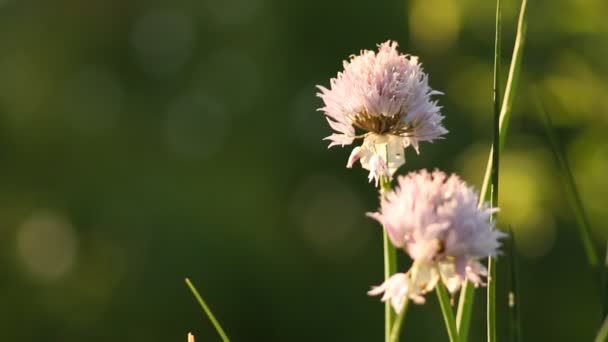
[(377, 169), (395, 153), (354, 156), (449, 276), (395, 289), (424, 277), (339, 139)]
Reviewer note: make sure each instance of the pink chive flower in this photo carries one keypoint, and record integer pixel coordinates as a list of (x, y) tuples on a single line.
[(387, 97), (435, 219)]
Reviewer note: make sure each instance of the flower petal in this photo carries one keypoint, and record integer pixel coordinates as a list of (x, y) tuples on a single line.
[(354, 156)]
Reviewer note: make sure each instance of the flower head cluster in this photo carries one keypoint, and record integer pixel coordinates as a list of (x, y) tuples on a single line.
[(386, 96), (436, 220)]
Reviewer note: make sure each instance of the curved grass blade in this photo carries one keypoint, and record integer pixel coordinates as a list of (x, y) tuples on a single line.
[(446, 310), (466, 297), (571, 190), (583, 223), (491, 294), (207, 310), (509, 95)]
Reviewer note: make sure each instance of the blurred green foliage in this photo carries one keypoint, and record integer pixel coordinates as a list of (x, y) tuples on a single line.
[(145, 141)]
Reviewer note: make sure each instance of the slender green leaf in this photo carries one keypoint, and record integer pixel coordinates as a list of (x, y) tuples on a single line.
[(390, 267), (465, 307), (509, 96), (573, 196), (396, 330), (571, 190), (491, 294), (207, 310), (466, 297), (446, 310), (491, 301)]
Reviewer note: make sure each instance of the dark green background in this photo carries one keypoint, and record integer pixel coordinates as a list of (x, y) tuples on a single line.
[(142, 142)]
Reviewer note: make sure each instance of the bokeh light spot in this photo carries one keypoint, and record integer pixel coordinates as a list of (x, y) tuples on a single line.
[(306, 125), (329, 217), (47, 245), (590, 170), (525, 185), (537, 236), (580, 90), (231, 76), (435, 24), (24, 87), (196, 125), (92, 100), (163, 41), (232, 13)]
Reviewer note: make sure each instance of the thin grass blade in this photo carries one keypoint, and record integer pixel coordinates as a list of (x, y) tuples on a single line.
[(509, 95), (573, 196), (446, 310), (208, 311), (491, 294), (466, 297), (571, 190)]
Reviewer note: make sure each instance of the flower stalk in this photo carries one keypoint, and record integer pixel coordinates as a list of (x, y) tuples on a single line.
[(396, 329), (491, 294), (448, 314), (390, 267), (465, 304)]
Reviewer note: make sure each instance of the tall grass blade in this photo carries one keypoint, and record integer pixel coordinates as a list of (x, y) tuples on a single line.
[(446, 310), (509, 95), (491, 294), (466, 297), (572, 193), (207, 310)]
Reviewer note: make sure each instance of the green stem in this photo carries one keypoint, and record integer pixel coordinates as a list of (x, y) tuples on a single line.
[(390, 266), (207, 310), (571, 190), (466, 297), (396, 330), (491, 300), (465, 306), (446, 309), (509, 95)]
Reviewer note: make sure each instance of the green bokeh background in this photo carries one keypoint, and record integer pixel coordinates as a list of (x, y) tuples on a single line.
[(145, 141)]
